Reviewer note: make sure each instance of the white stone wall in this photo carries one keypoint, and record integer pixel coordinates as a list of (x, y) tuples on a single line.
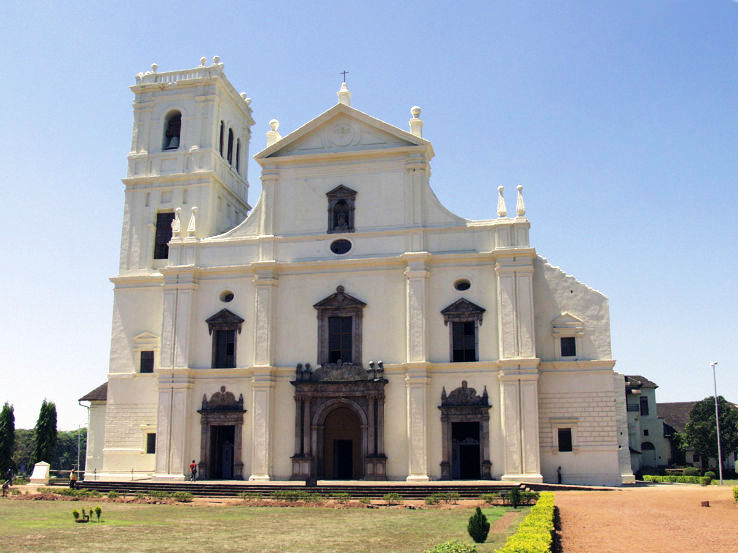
[(95, 440)]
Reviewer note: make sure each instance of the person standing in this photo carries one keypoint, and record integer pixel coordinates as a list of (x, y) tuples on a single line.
[(193, 470), (558, 474), (73, 479), (10, 476)]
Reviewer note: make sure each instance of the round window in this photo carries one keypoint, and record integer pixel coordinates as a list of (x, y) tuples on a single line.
[(462, 284), (340, 246), (226, 296)]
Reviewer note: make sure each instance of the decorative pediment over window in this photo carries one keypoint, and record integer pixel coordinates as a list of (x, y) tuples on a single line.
[(567, 324), (464, 396), (224, 320), (222, 401), (339, 300), (462, 310), (341, 192), (146, 339)]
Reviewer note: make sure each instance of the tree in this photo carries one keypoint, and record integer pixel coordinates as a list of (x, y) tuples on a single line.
[(7, 439), (23, 450), (66, 449), (478, 526), (700, 432), (44, 434)]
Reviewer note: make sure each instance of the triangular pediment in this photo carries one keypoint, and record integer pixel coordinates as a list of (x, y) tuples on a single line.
[(341, 191), (462, 310), (342, 129), (224, 320), (566, 323), (145, 338), (339, 300)]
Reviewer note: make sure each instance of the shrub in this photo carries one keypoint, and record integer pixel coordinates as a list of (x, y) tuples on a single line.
[(98, 512), (365, 500), (528, 498), (76, 514), (159, 494), (535, 533), (710, 474), (478, 526), (691, 471), (705, 480), (183, 497), (675, 479), (735, 493), (515, 497), (452, 547), (250, 496), (341, 497), (392, 498), (432, 499), (112, 494), (489, 498)]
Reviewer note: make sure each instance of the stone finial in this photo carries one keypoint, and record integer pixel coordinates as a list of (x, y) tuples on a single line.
[(154, 67), (344, 96), (272, 135), (176, 223), (501, 207), (520, 206), (203, 61), (216, 60), (192, 225), (416, 123)]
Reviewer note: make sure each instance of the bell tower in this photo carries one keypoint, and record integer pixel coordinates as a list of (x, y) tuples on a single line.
[(188, 164)]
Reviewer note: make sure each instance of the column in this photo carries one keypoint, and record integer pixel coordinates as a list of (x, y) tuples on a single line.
[(515, 316), (519, 419), (416, 286)]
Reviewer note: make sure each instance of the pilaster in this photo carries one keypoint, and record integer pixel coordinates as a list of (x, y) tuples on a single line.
[(261, 438), (416, 285), (416, 381), (172, 427), (515, 316), (519, 421)]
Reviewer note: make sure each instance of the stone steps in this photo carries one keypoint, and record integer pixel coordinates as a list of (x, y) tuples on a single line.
[(213, 489)]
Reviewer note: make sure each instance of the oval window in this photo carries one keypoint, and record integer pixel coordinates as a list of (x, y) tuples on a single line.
[(462, 285), (340, 246), (226, 296)]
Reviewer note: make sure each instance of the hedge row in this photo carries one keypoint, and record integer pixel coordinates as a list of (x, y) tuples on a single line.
[(704, 480), (535, 533), (735, 493)]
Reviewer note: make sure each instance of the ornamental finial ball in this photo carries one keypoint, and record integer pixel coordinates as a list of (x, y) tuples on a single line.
[(274, 124), (203, 60), (415, 110), (154, 67), (216, 59), (500, 188), (519, 187), (243, 95)]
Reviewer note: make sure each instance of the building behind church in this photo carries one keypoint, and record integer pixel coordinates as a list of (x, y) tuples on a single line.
[(346, 327)]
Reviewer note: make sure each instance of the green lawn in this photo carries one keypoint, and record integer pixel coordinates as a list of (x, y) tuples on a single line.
[(40, 526)]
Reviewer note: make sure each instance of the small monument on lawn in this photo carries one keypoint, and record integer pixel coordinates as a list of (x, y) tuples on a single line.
[(40, 476)]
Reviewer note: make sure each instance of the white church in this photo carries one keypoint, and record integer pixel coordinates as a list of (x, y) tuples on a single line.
[(347, 327)]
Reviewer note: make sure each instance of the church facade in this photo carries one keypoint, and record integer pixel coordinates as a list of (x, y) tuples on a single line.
[(348, 326)]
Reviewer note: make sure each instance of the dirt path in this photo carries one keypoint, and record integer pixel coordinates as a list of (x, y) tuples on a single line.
[(655, 519)]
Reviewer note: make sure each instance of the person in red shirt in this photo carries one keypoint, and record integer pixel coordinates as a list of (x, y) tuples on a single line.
[(193, 470)]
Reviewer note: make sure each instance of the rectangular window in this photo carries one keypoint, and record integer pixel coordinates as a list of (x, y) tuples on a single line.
[(644, 406), (163, 235), (464, 341), (565, 439), (151, 443), (147, 361), (340, 339), (645, 432), (224, 349), (568, 346)]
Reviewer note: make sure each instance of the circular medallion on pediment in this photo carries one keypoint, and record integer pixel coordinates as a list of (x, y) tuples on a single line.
[(340, 246), (342, 133)]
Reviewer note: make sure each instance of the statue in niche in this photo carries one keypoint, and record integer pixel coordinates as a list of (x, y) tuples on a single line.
[(341, 216)]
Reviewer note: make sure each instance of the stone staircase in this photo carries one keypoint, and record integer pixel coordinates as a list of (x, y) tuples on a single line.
[(215, 489)]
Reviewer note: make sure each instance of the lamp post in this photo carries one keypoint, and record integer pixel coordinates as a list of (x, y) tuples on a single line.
[(717, 422)]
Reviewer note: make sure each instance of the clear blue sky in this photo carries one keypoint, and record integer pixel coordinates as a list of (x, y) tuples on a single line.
[(619, 118)]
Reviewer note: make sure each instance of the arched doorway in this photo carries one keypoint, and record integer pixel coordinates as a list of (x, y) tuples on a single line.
[(342, 445)]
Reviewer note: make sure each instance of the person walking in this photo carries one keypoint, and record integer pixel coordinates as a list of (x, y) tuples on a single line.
[(10, 476), (193, 470)]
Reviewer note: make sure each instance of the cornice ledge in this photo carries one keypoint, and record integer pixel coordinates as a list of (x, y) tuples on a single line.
[(148, 279), (603, 364)]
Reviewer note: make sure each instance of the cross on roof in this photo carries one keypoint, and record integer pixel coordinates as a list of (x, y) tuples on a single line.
[(344, 73)]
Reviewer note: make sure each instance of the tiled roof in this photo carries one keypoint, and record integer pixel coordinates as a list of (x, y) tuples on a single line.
[(98, 394), (639, 381), (675, 414)]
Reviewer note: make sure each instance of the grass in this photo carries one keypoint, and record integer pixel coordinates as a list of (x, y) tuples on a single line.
[(726, 482), (40, 526)]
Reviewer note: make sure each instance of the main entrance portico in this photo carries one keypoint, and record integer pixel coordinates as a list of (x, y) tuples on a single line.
[(339, 423)]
